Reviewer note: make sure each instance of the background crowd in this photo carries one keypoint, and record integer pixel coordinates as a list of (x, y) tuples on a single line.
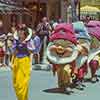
[(40, 36)]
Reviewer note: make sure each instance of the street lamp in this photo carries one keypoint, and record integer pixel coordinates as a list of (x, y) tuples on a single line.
[(38, 10), (74, 4), (79, 6)]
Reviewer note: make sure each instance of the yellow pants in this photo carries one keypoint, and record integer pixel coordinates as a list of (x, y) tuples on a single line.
[(21, 77)]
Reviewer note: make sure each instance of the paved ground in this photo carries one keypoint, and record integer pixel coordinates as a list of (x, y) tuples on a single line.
[(42, 80)]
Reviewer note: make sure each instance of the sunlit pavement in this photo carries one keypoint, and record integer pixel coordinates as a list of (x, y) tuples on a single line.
[(42, 80)]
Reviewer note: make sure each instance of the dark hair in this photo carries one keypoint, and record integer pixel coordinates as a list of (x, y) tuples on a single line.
[(25, 29)]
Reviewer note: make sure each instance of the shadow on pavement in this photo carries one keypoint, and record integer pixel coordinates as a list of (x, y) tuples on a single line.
[(54, 90), (58, 91)]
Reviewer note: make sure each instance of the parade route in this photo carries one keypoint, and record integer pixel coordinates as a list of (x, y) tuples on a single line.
[(49, 50), (40, 82)]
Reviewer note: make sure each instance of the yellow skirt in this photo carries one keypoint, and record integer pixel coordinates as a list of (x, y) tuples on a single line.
[(21, 77)]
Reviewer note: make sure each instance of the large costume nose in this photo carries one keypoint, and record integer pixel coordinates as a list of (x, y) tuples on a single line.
[(60, 49)]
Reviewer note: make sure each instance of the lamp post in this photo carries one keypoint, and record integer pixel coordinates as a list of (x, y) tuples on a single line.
[(79, 6), (74, 4), (38, 10)]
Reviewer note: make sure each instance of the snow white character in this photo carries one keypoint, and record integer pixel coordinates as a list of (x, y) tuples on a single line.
[(21, 63)]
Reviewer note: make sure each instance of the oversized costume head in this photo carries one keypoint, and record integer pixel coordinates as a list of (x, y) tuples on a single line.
[(94, 31), (62, 46), (84, 40), (81, 31)]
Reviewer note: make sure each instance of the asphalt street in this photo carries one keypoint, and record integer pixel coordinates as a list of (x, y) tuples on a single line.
[(42, 84)]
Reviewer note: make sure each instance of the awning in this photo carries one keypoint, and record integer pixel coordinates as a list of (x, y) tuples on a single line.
[(41, 1), (6, 8), (89, 9)]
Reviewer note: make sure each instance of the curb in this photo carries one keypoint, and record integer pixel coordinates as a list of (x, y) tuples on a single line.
[(45, 67)]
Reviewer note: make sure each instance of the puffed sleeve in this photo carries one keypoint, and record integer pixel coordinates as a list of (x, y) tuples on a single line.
[(14, 46), (30, 45)]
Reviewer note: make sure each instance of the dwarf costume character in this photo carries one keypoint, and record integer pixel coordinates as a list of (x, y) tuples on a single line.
[(94, 55), (83, 47), (62, 52)]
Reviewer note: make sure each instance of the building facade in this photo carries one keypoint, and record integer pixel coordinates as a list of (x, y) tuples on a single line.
[(50, 8), (34, 11), (10, 13)]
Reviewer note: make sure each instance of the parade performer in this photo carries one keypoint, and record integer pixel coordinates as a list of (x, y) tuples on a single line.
[(61, 52), (21, 63), (83, 46), (94, 55)]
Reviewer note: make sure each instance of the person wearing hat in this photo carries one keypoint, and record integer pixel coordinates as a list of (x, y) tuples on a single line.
[(83, 47), (94, 54), (94, 58), (21, 63), (61, 53), (81, 64)]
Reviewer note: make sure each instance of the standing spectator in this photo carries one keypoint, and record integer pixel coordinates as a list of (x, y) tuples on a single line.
[(43, 31), (2, 45), (43, 28), (9, 43), (37, 44)]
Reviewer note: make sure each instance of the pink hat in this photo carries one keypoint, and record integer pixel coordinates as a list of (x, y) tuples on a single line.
[(94, 23), (64, 26), (94, 28), (64, 31), (63, 35), (94, 31)]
